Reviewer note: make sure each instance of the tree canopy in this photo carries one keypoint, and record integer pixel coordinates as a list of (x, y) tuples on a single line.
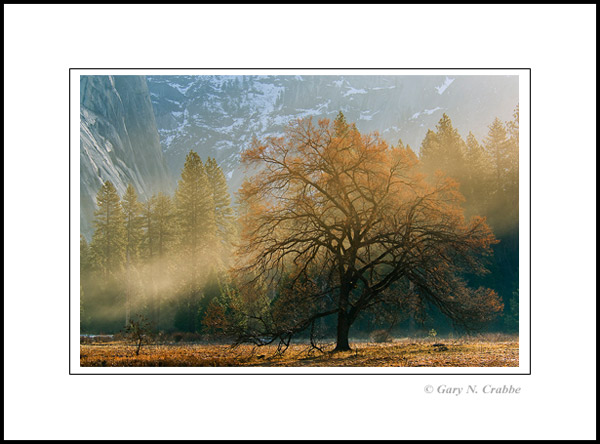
[(337, 217)]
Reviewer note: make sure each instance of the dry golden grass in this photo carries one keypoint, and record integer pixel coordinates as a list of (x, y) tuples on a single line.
[(486, 352)]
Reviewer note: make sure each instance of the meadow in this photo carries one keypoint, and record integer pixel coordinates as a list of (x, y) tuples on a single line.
[(482, 351)]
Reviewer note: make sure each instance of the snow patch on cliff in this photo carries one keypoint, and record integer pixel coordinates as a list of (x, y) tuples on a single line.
[(440, 89)]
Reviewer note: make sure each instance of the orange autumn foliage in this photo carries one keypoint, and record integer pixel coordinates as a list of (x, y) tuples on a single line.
[(354, 216)]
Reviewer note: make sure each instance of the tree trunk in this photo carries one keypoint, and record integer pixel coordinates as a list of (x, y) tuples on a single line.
[(128, 292), (343, 328)]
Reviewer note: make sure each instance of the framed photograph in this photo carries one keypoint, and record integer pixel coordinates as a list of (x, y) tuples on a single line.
[(300, 221)]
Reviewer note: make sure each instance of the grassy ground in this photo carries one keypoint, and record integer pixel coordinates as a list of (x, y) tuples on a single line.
[(490, 351)]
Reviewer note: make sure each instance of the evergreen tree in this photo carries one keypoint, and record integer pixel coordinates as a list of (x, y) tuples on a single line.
[(85, 271), (401, 146), (158, 224), (148, 247), (133, 236), (502, 209), (511, 314), (502, 148), (497, 145), (444, 150), (476, 183), (85, 255), (195, 213), (163, 222), (108, 241), (163, 216), (82, 311), (340, 124), (194, 209), (149, 254), (513, 126), (512, 184), (108, 254), (222, 206), (158, 236), (132, 213), (430, 151)]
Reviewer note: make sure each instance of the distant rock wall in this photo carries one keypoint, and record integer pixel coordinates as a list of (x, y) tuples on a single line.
[(119, 141), (218, 116), (122, 118)]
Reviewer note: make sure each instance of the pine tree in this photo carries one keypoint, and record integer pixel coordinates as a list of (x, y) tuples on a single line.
[(148, 242), (158, 224), (133, 236), (194, 209), (497, 145), (222, 205), (513, 126), (85, 270), (108, 241), (476, 186), (444, 150), (340, 124), (132, 212), (513, 155), (401, 146), (157, 241), (85, 255), (108, 253), (430, 151), (149, 254), (163, 214), (163, 226), (195, 213), (83, 324)]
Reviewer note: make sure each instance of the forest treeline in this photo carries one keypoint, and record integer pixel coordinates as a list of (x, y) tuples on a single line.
[(169, 258), (488, 175), (163, 258)]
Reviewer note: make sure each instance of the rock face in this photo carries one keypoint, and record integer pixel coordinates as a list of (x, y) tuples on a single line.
[(219, 115), (122, 118), (119, 141)]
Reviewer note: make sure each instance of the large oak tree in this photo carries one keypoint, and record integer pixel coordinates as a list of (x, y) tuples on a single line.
[(340, 222)]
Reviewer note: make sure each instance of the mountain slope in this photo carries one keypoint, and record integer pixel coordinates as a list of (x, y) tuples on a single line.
[(219, 115), (119, 141)]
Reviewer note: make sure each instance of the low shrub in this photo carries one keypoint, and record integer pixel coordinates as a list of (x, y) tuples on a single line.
[(381, 336)]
